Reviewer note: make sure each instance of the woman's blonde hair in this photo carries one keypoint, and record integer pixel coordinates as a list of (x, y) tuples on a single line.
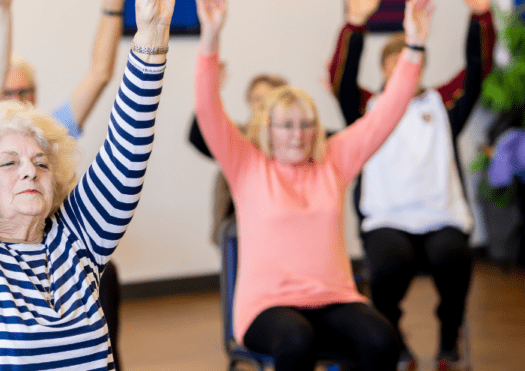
[(259, 129), (59, 147), (19, 63)]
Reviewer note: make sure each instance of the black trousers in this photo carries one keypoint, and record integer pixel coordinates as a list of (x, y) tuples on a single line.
[(396, 257), (109, 297), (294, 337)]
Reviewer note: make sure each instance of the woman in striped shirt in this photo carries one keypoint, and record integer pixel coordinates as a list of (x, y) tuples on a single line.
[(56, 237)]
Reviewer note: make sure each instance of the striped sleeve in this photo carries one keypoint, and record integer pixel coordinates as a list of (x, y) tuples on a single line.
[(101, 206)]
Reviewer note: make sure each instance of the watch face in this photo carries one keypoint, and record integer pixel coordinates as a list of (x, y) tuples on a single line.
[(389, 17)]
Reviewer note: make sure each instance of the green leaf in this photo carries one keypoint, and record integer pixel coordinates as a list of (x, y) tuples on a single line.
[(499, 197), (479, 163)]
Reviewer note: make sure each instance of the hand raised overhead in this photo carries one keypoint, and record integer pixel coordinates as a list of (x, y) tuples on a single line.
[(153, 26), (418, 15), (212, 14), (479, 6), (5, 3), (359, 11), (153, 13)]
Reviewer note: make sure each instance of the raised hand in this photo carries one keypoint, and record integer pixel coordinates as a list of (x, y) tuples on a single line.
[(212, 14), (359, 11), (154, 13), (479, 6), (5, 4), (153, 26), (418, 14)]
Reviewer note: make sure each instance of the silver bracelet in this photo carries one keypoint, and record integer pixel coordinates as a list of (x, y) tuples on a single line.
[(149, 50)]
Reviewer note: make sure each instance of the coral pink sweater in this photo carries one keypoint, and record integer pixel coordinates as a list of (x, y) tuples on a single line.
[(290, 218)]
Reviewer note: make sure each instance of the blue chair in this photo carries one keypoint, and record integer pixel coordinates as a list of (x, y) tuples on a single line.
[(236, 352)]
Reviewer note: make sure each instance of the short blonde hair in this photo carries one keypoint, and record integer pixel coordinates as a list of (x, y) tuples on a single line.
[(19, 63), (59, 147), (259, 129)]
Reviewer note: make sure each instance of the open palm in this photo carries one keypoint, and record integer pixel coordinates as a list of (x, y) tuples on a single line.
[(212, 14), (418, 14), (153, 12), (361, 10)]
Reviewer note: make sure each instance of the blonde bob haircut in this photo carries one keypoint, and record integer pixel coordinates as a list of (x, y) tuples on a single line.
[(59, 147), (286, 96)]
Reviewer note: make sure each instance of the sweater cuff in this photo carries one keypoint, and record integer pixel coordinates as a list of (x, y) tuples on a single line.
[(355, 28), (486, 16), (144, 67)]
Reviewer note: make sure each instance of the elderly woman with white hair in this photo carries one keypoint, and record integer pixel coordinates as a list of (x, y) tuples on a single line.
[(57, 235)]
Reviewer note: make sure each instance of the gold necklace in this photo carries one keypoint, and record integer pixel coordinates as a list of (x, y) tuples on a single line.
[(48, 295)]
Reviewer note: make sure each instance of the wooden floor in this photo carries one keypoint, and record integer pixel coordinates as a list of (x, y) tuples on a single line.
[(183, 333)]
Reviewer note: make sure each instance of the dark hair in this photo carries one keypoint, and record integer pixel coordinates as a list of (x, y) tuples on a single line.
[(275, 81)]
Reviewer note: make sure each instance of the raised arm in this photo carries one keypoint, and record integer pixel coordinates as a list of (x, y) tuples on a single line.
[(344, 67), (101, 206), (351, 148), (462, 92), (105, 49), (226, 143), (5, 40)]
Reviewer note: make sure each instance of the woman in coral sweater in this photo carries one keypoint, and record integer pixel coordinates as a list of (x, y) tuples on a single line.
[(295, 293)]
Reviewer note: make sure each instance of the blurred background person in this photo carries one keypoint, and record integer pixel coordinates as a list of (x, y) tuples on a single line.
[(410, 198)]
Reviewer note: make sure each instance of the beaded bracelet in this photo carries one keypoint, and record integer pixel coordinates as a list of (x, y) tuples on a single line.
[(415, 47), (149, 50), (112, 13)]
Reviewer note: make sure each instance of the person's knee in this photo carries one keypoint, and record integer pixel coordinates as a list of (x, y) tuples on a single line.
[(451, 248), (297, 342), (389, 251), (382, 345)]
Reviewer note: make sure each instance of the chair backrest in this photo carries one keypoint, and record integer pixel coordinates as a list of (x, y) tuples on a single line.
[(228, 245)]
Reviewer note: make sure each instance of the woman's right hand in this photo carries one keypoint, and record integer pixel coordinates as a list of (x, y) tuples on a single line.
[(359, 11), (6, 4), (418, 14), (212, 14)]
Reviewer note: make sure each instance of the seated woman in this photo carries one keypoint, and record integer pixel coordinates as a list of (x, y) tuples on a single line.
[(295, 293), (20, 84), (56, 236), (410, 198)]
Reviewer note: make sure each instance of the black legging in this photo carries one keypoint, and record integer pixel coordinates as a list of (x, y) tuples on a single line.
[(294, 337), (396, 256), (109, 297)]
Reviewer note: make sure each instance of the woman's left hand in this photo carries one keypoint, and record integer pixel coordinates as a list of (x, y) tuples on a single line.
[(418, 14), (153, 26)]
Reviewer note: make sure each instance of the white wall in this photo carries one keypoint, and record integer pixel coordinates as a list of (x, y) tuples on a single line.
[(169, 236)]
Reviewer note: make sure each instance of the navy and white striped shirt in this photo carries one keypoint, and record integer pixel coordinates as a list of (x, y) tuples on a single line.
[(79, 240)]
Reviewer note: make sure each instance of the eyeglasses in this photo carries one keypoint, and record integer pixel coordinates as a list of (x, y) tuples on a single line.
[(288, 126), (23, 94)]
